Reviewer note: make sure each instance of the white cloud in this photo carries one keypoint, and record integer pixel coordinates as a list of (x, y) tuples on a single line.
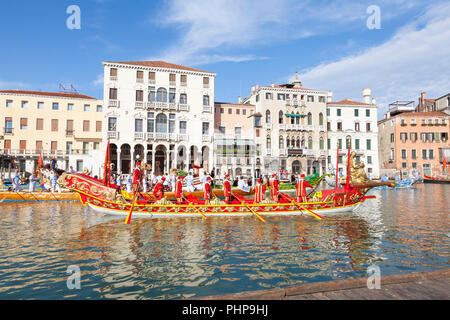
[(226, 30), (415, 59), (99, 81)]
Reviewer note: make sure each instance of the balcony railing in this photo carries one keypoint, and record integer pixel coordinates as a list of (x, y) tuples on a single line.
[(45, 153), (161, 136), (112, 135), (321, 128), (268, 126), (282, 126), (113, 78), (139, 105), (183, 84), (183, 107), (207, 109), (206, 85), (139, 136), (69, 133), (113, 103), (183, 137), (172, 83), (206, 138), (140, 80)]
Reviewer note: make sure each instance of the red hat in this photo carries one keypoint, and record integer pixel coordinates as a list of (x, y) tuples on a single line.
[(259, 180), (138, 163), (208, 178), (180, 177), (302, 175), (227, 175), (274, 175), (163, 178)]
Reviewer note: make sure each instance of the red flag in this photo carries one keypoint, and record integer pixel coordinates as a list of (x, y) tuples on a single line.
[(444, 165), (106, 167)]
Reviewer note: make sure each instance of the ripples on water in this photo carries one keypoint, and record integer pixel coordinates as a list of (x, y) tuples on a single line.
[(401, 231)]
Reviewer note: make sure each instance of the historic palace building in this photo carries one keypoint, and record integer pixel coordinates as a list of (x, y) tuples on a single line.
[(160, 113), (66, 127), (291, 123), (354, 124), (234, 139)]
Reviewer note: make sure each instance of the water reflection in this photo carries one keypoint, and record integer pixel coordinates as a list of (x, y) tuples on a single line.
[(400, 231)]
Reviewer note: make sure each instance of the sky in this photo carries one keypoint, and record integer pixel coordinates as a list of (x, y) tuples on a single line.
[(398, 48)]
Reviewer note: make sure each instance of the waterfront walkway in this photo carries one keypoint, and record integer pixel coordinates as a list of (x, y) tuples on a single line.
[(433, 285)]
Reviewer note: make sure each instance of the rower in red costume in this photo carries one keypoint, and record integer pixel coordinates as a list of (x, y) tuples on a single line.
[(301, 188), (260, 190), (207, 190), (179, 190), (227, 188), (274, 187), (137, 177), (158, 191)]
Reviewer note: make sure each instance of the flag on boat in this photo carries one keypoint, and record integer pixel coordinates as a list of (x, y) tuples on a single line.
[(106, 169), (444, 165)]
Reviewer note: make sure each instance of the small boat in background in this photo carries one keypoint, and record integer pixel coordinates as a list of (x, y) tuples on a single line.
[(438, 179)]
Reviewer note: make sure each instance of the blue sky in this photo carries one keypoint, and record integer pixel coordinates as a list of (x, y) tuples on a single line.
[(244, 42)]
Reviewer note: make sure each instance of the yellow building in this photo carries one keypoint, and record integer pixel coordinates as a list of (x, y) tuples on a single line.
[(65, 126)]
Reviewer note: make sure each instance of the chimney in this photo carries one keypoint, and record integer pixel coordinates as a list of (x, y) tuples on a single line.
[(253, 89), (366, 92), (273, 85), (240, 99), (330, 96), (422, 101), (374, 101), (256, 86)]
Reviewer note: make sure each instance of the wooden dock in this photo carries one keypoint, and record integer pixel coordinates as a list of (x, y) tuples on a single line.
[(433, 285)]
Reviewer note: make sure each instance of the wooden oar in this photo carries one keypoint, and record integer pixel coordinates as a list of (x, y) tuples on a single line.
[(191, 205), (285, 196), (128, 219), (254, 212), (3, 198)]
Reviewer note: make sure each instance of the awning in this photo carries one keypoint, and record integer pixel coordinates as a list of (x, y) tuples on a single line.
[(296, 115)]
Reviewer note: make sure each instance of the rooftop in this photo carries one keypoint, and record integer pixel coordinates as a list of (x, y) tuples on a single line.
[(158, 64), (348, 102), (49, 94)]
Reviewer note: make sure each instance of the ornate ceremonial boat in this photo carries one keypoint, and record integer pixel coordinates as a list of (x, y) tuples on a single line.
[(430, 179), (110, 200)]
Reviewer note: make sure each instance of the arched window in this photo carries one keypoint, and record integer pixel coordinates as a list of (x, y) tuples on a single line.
[(348, 142), (293, 142), (288, 142), (303, 143), (267, 116), (321, 143), (310, 143), (298, 143), (320, 119), (206, 100), (297, 118), (161, 123), (183, 98), (309, 119), (268, 143), (281, 143), (280, 117), (161, 95), (292, 120)]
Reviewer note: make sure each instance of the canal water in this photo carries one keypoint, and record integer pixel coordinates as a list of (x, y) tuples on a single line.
[(401, 231)]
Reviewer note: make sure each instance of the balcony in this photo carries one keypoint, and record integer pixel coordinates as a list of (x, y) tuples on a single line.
[(283, 152), (321, 128), (206, 138), (139, 105), (268, 126), (157, 105), (112, 135), (295, 102), (183, 137), (183, 84), (183, 107), (288, 102), (322, 153), (172, 83), (173, 106), (161, 136), (113, 78), (140, 80), (113, 103), (282, 126), (206, 85), (139, 136), (151, 81), (69, 133), (268, 152), (207, 109)]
